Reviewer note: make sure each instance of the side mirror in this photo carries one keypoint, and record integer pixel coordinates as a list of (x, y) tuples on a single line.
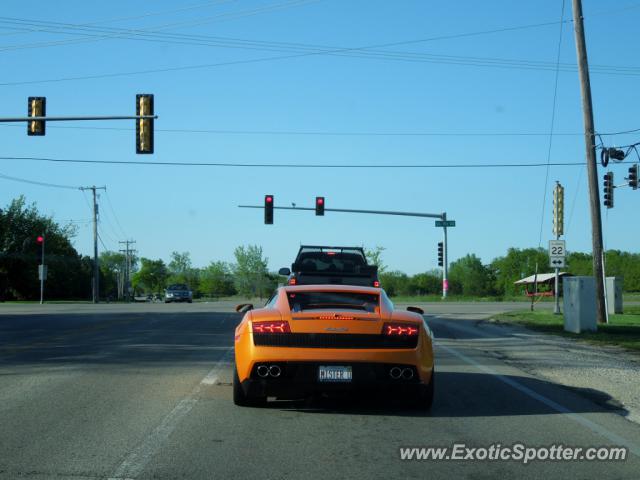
[(244, 307), (417, 310), (284, 271)]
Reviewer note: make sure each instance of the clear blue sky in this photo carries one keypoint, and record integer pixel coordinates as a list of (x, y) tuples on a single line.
[(166, 208)]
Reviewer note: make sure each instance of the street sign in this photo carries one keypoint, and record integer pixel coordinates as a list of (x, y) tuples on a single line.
[(42, 272), (448, 223), (557, 253)]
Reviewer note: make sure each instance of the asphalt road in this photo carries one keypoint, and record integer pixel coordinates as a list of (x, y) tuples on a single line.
[(144, 391)]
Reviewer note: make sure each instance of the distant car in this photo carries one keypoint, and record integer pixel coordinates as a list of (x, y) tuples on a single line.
[(178, 292), (316, 265), (314, 339)]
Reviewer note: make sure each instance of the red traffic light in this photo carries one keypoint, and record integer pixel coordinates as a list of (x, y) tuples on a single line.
[(268, 199), (40, 239), (319, 205)]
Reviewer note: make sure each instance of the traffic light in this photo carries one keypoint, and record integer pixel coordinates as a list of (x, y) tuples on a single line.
[(558, 210), (633, 176), (319, 205), (40, 242), (608, 189), (144, 126), (268, 209), (440, 254), (36, 107)]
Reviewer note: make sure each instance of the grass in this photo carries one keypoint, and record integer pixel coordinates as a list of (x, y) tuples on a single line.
[(622, 330)]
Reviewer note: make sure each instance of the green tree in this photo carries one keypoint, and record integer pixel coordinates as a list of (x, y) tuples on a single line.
[(67, 277), (517, 264), (468, 276), (152, 276), (217, 280), (112, 268), (182, 271), (250, 272), (374, 257), (395, 283), (427, 283)]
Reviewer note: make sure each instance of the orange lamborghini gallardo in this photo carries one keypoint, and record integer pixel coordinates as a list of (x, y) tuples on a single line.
[(332, 338)]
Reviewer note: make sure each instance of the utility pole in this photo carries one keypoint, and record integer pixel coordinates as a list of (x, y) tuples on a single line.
[(592, 167), (127, 270), (96, 270)]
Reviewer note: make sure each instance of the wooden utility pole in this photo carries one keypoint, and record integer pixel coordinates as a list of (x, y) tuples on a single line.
[(96, 268), (592, 167)]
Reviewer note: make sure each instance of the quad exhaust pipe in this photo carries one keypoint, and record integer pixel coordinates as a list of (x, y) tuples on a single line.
[(269, 370), (396, 373)]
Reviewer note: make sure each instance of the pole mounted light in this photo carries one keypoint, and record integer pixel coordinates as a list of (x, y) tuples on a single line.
[(36, 107), (440, 254), (268, 209), (558, 210), (319, 206), (608, 189), (144, 126), (633, 176)]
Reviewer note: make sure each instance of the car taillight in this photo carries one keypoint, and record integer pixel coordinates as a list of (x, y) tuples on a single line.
[(399, 329), (376, 284), (271, 327), (293, 281)]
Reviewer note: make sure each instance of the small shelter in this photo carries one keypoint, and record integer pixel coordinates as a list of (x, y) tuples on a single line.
[(545, 284)]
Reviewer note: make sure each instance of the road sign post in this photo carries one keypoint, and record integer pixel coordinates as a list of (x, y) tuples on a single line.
[(557, 260)]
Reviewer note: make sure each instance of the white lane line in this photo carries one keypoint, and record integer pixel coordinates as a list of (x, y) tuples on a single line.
[(585, 422), (137, 460)]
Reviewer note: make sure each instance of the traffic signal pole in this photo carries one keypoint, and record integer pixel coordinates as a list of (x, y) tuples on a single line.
[(592, 167), (42, 272), (445, 258)]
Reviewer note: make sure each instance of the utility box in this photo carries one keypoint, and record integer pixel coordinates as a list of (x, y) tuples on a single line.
[(614, 294), (579, 294)]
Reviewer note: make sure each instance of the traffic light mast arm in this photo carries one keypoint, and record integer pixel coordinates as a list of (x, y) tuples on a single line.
[(439, 216)]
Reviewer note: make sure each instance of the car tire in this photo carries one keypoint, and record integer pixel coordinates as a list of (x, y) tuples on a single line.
[(425, 397), (422, 399), (190, 301), (240, 398)]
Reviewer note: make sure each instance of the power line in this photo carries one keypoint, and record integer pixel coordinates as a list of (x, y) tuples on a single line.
[(314, 133), (291, 165), (41, 184), (137, 17), (553, 118), (115, 217), (280, 57)]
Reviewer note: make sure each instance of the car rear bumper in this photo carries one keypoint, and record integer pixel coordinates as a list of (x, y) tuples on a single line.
[(298, 379)]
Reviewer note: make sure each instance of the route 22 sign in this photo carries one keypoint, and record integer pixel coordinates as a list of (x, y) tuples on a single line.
[(557, 253)]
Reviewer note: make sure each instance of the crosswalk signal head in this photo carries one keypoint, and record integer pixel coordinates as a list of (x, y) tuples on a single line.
[(440, 254), (268, 209), (144, 126), (36, 107), (320, 206), (608, 189), (633, 176)]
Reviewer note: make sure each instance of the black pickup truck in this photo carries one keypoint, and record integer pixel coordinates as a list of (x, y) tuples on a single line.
[(317, 265)]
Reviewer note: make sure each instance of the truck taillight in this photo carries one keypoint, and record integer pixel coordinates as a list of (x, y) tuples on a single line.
[(376, 284), (271, 327), (293, 281), (399, 330)]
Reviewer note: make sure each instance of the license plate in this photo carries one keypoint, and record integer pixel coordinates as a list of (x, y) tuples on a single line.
[(332, 373)]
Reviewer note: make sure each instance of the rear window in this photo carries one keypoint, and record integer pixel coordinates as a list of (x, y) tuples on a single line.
[(305, 301), (178, 286), (326, 261)]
